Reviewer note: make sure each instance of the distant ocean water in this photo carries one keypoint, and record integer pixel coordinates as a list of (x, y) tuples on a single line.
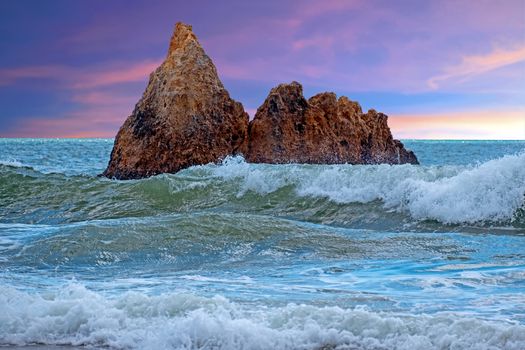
[(253, 256)]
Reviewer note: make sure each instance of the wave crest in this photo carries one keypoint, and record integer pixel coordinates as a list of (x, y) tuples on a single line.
[(490, 192)]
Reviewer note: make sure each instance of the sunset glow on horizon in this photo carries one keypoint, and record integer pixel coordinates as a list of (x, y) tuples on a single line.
[(438, 69)]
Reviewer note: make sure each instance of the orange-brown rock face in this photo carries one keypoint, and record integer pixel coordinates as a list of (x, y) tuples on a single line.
[(287, 128), (185, 117)]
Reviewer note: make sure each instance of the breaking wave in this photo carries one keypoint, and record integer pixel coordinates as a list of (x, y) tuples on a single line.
[(77, 316), (490, 193)]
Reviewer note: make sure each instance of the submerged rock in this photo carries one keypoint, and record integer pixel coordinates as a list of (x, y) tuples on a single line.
[(185, 117), (287, 128)]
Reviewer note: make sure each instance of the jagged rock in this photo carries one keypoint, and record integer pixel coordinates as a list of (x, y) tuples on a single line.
[(323, 130), (185, 117)]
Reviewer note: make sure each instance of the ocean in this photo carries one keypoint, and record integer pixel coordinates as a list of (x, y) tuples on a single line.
[(255, 256)]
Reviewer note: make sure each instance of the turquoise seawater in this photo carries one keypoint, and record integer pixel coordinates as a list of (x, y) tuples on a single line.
[(254, 256)]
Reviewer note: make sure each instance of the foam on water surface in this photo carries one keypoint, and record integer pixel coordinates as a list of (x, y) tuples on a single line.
[(492, 191), (77, 316)]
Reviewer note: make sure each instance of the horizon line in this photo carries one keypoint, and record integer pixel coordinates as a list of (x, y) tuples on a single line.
[(112, 138)]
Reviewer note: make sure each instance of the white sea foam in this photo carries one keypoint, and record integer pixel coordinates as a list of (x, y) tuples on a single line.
[(492, 191), (199, 278), (78, 316), (11, 162)]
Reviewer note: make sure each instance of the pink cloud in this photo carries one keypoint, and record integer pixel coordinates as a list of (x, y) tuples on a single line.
[(415, 50), (475, 65), (134, 72), (12, 75), (100, 111), (82, 78), (323, 42), (88, 122)]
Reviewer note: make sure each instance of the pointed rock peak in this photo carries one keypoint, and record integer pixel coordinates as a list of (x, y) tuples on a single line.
[(184, 118), (293, 88), (182, 36), (285, 96)]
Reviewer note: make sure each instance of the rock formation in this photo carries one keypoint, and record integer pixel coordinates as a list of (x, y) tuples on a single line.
[(287, 128), (185, 117)]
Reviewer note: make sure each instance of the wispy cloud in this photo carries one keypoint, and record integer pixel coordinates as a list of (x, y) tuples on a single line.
[(347, 46), (320, 42), (86, 122), (12, 75), (99, 105), (475, 65), (134, 72), (82, 78)]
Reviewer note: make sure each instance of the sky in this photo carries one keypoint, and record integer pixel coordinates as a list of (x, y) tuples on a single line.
[(440, 69)]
